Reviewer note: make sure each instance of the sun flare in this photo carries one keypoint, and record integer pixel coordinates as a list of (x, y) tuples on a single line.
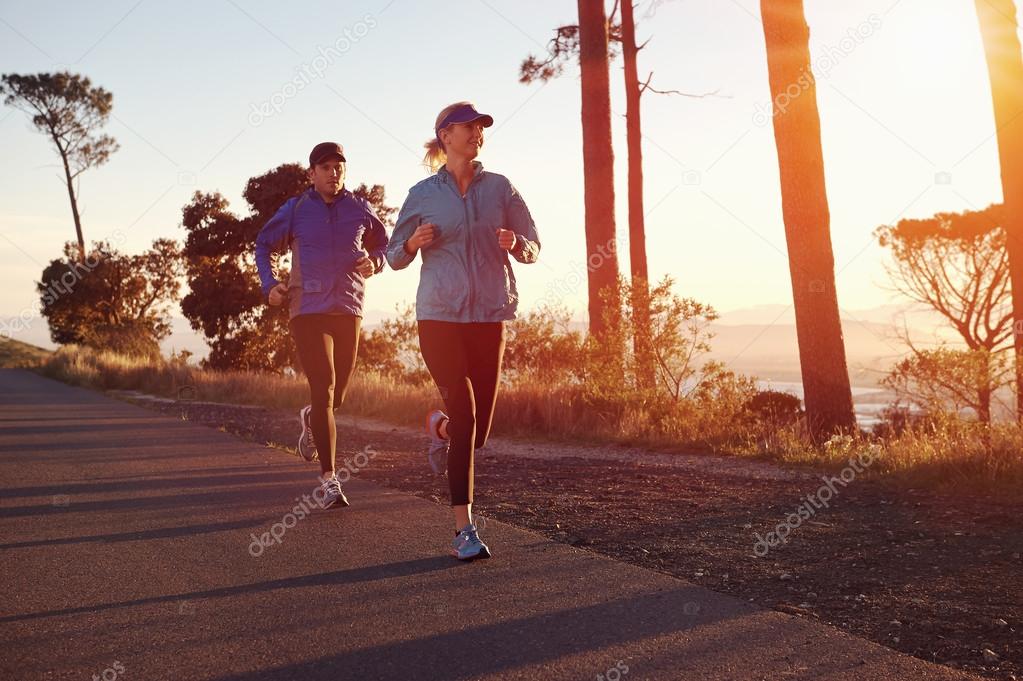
[(940, 45)]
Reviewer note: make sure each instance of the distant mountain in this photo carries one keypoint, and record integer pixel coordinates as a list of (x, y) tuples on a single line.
[(771, 352), (913, 316), (761, 340)]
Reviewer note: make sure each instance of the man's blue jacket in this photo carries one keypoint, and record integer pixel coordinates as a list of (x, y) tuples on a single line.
[(325, 241)]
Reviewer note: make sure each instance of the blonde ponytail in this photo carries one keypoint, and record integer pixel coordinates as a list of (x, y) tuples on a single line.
[(435, 156)]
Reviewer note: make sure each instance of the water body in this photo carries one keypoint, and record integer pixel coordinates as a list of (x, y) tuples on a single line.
[(867, 402)]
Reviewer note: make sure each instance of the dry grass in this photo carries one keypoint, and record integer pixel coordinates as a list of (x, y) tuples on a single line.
[(369, 394), (945, 453), (14, 354), (961, 456)]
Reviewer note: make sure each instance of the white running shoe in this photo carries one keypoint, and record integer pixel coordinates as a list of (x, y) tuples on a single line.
[(306, 445)]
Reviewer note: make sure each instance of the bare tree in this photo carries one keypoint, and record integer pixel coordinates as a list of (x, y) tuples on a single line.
[(957, 265), (797, 134), (70, 111)]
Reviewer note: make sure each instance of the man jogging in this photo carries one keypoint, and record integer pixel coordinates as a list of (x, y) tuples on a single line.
[(336, 243)]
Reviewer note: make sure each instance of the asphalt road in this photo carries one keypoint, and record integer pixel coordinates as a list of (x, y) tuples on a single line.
[(127, 552)]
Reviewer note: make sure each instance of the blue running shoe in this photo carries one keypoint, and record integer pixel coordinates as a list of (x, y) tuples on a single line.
[(306, 445), (437, 454), (467, 545)]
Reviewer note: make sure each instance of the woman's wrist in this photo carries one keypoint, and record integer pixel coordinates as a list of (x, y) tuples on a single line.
[(408, 248)]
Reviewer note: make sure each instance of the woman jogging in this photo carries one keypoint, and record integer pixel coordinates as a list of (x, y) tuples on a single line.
[(465, 222), (336, 243)]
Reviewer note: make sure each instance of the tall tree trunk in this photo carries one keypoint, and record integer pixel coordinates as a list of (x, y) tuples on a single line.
[(74, 203), (637, 226), (797, 135), (1005, 70), (598, 166)]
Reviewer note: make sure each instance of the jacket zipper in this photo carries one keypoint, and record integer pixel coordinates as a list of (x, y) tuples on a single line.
[(468, 253), (468, 240)]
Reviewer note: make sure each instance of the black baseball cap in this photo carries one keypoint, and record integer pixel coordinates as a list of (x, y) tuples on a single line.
[(324, 150), (465, 114)]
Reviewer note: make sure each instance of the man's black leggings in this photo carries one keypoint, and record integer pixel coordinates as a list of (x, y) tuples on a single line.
[(327, 347), (465, 362)]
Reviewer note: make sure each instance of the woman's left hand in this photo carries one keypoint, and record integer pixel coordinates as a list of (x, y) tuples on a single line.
[(365, 266), (506, 239)]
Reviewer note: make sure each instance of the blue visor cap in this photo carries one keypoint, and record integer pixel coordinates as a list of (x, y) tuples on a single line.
[(466, 113)]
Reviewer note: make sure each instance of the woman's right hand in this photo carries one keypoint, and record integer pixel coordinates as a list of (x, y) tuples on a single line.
[(423, 236), (277, 294)]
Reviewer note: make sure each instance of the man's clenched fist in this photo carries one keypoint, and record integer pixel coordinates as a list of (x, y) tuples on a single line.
[(278, 294)]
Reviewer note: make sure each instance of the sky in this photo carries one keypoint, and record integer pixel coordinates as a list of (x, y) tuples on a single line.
[(209, 94)]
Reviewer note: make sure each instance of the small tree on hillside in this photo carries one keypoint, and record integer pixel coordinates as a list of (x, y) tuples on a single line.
[(68, 109), (110, 300)]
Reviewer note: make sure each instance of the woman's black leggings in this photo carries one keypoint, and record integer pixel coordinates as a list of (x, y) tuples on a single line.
[(327, 347), (465, 362)]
